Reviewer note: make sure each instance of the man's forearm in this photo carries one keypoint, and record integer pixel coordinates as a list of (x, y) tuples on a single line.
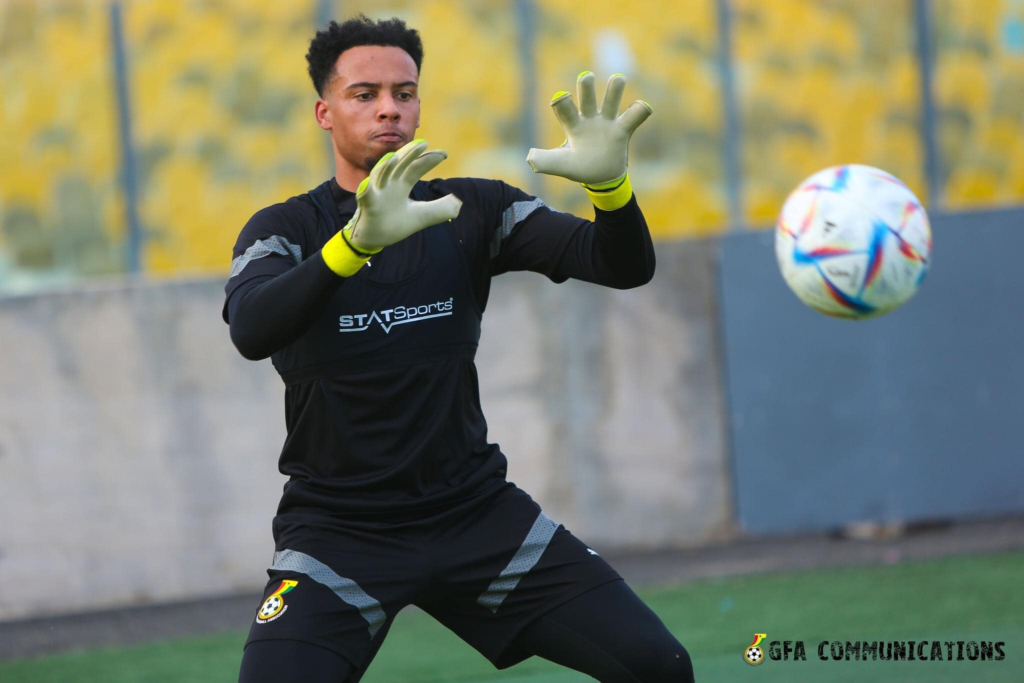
[(268, 314), (622, 251)]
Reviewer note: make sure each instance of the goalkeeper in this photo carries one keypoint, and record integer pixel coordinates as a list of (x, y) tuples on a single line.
[(367, 293)]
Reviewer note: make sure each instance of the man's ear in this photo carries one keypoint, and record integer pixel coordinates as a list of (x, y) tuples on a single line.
[(323, 115)]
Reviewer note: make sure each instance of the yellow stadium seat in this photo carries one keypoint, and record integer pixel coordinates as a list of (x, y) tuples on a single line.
[(962, 81), (972, 187)]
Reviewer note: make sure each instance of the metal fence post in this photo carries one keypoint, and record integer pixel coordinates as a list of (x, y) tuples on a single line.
[(324, 13), (929, 115), (129, 164), (731, 142), (526, 20)]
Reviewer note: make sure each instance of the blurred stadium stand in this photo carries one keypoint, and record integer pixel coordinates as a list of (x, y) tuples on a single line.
[(221, 111), (979, 91), (822, 84), (222, 121), (60, 210)]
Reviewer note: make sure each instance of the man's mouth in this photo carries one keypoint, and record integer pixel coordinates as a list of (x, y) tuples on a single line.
[(388, 137)]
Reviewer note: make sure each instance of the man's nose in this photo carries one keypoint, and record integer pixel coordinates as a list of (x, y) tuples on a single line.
[(388, 109)]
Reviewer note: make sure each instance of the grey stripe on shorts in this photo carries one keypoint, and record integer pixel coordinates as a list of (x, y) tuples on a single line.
[(346, 589), (522, 562)]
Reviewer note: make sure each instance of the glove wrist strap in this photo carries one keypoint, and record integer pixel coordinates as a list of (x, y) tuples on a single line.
[(346, 234), (612, 195), (342, 257)]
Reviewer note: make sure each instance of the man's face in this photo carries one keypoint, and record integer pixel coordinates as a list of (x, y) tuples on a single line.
[(371, 106)]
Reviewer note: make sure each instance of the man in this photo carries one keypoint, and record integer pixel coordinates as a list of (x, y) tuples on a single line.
[(369, 301)]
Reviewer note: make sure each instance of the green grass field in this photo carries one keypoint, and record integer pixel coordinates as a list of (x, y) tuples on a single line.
[(964, 598)]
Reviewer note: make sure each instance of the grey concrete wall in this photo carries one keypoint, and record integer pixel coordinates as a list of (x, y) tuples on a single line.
[(609, 404), (138, 450)]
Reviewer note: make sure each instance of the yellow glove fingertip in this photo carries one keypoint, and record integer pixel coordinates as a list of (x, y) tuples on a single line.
[(582, 74), (558, 95)]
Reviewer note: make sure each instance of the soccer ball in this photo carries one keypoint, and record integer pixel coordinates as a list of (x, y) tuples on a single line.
[(853, 242)]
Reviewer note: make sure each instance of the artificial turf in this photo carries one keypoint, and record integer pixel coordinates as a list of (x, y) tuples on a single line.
[(953, 599)]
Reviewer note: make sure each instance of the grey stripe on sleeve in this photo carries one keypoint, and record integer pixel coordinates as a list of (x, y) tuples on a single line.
[(346, 589), (513, 215), (522, 562), (272, 245)]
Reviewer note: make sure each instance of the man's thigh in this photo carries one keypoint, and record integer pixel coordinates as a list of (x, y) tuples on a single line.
[(611, 635), (336, 590), (292, 661), (502, 567)]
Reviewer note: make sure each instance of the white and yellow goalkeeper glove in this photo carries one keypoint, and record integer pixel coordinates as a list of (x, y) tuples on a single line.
[(384, 213), (596, 141)]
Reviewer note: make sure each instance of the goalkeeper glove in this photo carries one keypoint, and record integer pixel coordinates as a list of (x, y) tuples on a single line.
[(596, 141), (384, 213)]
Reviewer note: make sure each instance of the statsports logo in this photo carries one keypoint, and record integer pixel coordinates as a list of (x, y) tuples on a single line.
[(273, 607), (399, 315), (754, 655)]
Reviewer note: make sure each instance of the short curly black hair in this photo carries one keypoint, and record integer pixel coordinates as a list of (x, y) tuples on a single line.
[(327, 45)]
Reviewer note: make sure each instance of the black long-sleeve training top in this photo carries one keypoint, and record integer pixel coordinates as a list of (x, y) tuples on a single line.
[(382, 405)]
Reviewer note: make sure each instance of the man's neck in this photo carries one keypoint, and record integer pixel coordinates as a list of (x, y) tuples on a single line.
[(349, 178), (346, 175)]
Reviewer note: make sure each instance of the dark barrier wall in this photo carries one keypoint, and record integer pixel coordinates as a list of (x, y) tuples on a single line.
[(913, 416)]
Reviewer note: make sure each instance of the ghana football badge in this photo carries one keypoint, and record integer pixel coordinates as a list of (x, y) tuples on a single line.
[(753, 654), (274, 606)]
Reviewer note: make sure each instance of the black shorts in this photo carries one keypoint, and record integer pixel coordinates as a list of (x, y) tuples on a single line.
[(485, 568)]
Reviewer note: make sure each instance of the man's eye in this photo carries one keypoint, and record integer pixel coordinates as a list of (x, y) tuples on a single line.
[(364, 96), (405, 96)]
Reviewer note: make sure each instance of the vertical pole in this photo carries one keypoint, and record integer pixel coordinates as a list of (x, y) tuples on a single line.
[(129, 165), (526, 21), (324, 13), (731, 141), (929, 119)]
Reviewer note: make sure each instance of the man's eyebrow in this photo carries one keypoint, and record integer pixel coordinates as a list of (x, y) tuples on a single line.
[(367, 84)]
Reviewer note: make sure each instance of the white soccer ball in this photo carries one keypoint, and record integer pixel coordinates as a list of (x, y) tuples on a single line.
[(853, 242)]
